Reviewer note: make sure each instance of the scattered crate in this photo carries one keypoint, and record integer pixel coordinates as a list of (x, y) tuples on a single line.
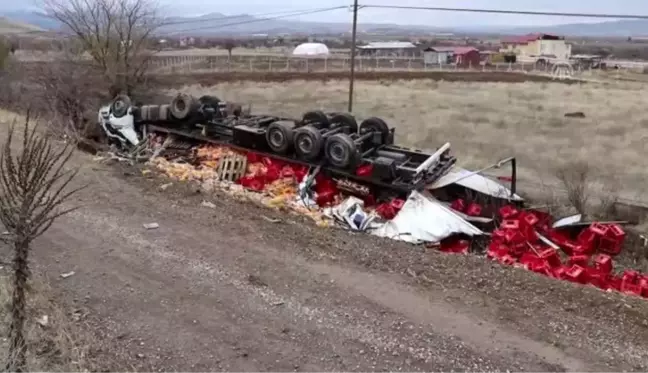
[(232, 167)]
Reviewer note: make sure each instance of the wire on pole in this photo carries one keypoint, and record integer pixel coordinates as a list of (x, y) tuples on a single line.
[(501, 11)]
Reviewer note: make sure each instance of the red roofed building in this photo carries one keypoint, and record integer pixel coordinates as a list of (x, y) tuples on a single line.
[(532, 46), (461, 56)]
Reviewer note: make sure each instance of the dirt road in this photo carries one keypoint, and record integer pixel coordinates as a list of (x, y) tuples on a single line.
[(227, 288)]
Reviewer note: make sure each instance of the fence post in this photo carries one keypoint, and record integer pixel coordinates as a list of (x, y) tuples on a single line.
[(409, 64), (325, 64), (287, 63), (251, 64), (270, 63)]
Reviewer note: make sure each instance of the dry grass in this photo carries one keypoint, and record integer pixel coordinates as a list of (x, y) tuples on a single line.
[(51, 347), (488, 121)]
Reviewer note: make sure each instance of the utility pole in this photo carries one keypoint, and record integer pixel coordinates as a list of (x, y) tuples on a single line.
[(353, 53)]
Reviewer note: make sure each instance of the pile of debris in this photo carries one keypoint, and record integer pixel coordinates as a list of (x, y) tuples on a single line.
[(567, 249)]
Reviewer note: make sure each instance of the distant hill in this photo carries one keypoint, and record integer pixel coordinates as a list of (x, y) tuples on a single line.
[(622, 28), (217, 24), (12, 26), (220, 24), (35, 20)]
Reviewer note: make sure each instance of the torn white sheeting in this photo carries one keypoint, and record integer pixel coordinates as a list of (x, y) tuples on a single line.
[(351, 213), (424, 219), (569, 220), (476, 182)]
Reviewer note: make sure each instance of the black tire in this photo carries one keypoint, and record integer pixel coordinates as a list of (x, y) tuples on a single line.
[(120, 106), (279, 136), (375, 124), (341, 151), (316, 119), (183, 106), (308, 143), (344, 119)]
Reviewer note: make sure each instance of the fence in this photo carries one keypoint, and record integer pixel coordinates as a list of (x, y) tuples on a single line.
[(193, 63)]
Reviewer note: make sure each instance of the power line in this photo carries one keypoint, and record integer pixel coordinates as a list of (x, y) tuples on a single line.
[(294, 14), (500, 11)]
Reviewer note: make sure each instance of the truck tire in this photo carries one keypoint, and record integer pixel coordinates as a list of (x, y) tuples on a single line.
[(183, 106), (279, 136), (344, 119), (341, 151), (316, 119), (120, 106), (377, 125), (308, 143)]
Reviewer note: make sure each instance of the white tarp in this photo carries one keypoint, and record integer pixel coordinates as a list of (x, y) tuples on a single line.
[(311, 50), (476, 182), (425, 219)]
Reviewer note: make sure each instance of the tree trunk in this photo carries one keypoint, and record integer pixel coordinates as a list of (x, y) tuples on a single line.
[(17, 359)]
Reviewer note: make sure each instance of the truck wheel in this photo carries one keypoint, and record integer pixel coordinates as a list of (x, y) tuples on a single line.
[(308, 143), (183, 105), (374, 124), (344, 119), (280, 136), (120, 106), (341, 151), (316, 119)]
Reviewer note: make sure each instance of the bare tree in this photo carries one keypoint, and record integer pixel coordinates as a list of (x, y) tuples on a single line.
[(33, 187), (115, 33)]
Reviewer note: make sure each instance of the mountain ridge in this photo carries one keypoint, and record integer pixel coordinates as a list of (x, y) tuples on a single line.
[(218, 24)]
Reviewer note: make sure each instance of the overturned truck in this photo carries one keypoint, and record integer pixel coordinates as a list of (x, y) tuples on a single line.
[(364, 153)]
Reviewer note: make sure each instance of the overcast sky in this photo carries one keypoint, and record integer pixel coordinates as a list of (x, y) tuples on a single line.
[(430, 18)]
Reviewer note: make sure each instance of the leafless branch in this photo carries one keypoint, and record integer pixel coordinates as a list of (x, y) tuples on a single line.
[(34, 186)]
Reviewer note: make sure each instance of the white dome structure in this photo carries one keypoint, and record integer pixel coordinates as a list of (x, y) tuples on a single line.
[(311, 50)]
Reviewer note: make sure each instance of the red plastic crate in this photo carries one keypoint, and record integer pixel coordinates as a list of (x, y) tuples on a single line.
[(599, 229), (496, 251), (629, 277), (588, 239), (506, 259), (576, 274), (473, 210), (610, 245), (530, 219), (551, 257), (581, 260), (512, 224), (616, 231), (603, 263), (458, 205), (560, 272), (508, 212)]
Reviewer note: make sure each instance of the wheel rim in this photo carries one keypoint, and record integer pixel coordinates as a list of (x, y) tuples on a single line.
[(305, 144), (336, 152), (180, 105), (276, 138)]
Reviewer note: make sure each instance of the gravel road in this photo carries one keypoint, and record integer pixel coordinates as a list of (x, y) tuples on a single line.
[(230, 288)]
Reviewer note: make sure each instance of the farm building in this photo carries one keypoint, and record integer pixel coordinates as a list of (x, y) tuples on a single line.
[(390, 49), (534, 45), (460, 56), (311, 50)]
